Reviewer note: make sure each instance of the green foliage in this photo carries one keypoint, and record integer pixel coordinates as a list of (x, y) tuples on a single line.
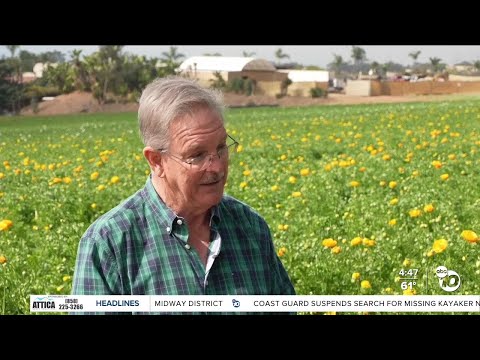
[(218, 82), (284, 87), (318, 92), (242, 86)]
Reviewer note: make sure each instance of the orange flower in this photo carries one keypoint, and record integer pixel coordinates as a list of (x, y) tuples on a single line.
[(5, 225), (440, 245), (470, 236), (428, 208), (282, 251), (329, 243)]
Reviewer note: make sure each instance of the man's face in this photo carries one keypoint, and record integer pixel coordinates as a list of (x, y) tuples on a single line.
[(193, 136)]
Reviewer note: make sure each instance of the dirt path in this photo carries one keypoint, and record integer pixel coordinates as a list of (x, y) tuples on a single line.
[(82, 102)]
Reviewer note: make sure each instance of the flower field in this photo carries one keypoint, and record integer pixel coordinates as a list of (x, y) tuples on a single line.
[(352, 194)]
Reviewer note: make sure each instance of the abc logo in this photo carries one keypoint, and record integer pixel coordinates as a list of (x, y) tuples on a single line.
[(448, 280), (235, 303)]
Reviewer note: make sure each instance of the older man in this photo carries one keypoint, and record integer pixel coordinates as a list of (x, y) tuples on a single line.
[(180, 235)]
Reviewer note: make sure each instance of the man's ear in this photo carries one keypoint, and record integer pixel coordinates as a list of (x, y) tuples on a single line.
[(155, 160)]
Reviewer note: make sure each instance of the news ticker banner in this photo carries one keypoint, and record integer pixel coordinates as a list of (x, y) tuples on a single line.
[(254, 303)]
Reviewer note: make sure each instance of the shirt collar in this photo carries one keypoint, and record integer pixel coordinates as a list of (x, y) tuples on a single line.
[(165, 215)]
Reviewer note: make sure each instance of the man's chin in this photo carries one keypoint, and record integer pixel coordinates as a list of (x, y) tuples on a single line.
[(212, 198)]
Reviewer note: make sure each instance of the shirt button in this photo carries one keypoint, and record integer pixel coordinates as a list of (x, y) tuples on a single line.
[(168, 228), (187, 246), (179, 222)]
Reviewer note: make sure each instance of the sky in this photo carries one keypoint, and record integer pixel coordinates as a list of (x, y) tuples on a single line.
[(304, 54)]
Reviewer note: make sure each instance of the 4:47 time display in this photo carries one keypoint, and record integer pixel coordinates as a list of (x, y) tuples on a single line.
[(409, 272)]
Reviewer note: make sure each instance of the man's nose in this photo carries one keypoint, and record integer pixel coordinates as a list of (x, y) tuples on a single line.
[(215, 163)]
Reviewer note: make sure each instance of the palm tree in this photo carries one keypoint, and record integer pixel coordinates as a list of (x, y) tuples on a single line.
[(476, 65), (358, 55), (172, 56), (81, 76), (16, 62), (248, 54), (279, 54), (436, 64), (171, 60), (337, 64), (414, 55), (12, 49)]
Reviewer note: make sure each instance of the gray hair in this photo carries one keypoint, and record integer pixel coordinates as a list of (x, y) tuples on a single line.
[(167, 99)]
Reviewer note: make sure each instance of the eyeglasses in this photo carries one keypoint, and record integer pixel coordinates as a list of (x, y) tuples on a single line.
[(204, 160)]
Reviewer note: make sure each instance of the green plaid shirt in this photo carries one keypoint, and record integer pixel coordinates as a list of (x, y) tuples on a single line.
[(140, 248)]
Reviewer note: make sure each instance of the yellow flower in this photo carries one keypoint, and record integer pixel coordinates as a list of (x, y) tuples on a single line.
[(296, 194), (275, 188), (415, 213), (282, 251), (407, 262), (428, 208), (239, 148), (392, 222), (283, 157), (388, 290), (356, 241), (368, 242), (394, 201), (305, 172), (94, 176), (383, 183), (362, 169), (2, 175), (57, 180), (101, 187), (93, 206), (386, 157), (5, 225), (67, 180), (3, 260), (355, 276), (444, 177), (329, 243), (365, 284), (439, 245), (66, 278), (336, 250), (436, 164), (392, 184), (292, 179), (470, 236), (114, 179), (243, 184), (354, 183), (409, 292), (415, 173)]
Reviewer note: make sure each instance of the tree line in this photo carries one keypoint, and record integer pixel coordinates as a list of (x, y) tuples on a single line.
[(109, 74)]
